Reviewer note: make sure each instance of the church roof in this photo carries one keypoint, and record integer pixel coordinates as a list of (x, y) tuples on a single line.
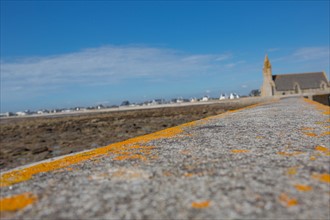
[(286, 82)]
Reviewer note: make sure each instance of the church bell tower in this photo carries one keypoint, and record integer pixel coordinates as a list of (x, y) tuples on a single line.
[(268, 86)]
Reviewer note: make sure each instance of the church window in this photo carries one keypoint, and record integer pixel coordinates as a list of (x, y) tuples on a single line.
[(296, 88), (323, 86)]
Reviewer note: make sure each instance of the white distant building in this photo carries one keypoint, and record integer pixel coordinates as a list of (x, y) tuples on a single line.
[(153, 102), (233, 96), (6, 114), (179, 100), (193, 99), (21, 113), (205, 99), (100, 107), (158, 102), (223, 96)]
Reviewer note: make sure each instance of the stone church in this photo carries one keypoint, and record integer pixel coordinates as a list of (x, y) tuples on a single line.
[(297, 83)]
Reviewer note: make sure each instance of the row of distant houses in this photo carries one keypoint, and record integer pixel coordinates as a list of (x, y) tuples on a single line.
[(180, 100), (52, 111), (123, 104)]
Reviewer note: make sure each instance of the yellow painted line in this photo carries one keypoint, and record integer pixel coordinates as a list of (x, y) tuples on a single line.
[(16, 202), (325, 133), (303, 188), (291, 171), (290, 154), (312, 158), (306, 128), (322, 177), (323, 150), (287, 200), (200, 205), (119, 149), (239, 151), (310, 134), (324, 108)]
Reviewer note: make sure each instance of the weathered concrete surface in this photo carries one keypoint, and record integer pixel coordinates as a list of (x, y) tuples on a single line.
[(270, 161)]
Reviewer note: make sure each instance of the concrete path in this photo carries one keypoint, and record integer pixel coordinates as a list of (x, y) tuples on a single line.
[(267, 161)]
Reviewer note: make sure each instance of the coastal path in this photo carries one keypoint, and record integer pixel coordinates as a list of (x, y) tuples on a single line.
[(270, 160)]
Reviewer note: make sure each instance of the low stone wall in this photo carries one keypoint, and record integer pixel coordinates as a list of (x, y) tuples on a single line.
[(323, 99)]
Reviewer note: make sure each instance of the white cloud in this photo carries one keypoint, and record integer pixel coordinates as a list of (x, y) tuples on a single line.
[(311, 53), (234, 64), (306, 54), (104, 66), (225, 56), (305, 59)]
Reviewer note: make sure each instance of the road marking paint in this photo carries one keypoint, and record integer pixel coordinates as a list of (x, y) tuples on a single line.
[(292, 171), (310, 134), (67, 169), (16, 202), (326, 112), (188, 174), (324, 108), (325, 133), (235, 151), (322, 177), (132, 152), (303, 188), (287, 201), (306, 128), (200, 205), (290, 154), (312, 158), (131, 157), (322, 149)]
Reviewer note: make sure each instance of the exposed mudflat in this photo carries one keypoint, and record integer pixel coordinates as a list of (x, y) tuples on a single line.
[(31, 139)]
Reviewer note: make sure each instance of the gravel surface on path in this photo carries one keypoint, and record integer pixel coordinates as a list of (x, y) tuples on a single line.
[(267, 161)]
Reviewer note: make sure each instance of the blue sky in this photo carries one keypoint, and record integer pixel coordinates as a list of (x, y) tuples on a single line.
[(80, 53)]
